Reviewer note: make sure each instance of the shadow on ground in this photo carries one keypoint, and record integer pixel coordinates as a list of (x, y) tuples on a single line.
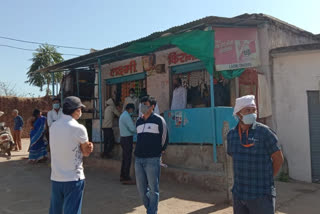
[(26, 189)]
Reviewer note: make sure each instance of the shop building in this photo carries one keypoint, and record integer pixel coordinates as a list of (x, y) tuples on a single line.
[(241, 66)]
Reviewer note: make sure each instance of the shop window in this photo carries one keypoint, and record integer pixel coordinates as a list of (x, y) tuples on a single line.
[(120, 91), (197, 84)]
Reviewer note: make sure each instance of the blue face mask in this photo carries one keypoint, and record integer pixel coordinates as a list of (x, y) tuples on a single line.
[(56, 106), (131, 113), (249, 118)]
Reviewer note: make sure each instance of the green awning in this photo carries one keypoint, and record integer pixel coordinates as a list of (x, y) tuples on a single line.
[(230, 74), (198, 43), (126, 78)]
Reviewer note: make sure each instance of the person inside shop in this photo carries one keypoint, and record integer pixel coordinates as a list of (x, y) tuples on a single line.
[(131, 99), (127, 130), (110, 112), (179, 98)]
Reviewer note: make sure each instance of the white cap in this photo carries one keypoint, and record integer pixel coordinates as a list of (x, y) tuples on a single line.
[(243, 102)]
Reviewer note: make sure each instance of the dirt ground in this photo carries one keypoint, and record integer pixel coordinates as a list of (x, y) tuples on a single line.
[(25, 189)]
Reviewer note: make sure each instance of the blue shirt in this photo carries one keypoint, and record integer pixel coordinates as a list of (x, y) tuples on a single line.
[(18, 123), (126, 125), (252, 166)]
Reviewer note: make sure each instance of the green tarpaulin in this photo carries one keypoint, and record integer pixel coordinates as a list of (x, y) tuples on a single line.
[(230, 74), (198, 43)]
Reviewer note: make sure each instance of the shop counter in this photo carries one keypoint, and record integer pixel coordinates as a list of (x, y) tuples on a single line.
[(198, 125)]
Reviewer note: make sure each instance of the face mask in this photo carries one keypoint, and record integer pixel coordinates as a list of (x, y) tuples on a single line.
[(131, 113), (249, 118), (131, 95), (144, 109), (56, 106)]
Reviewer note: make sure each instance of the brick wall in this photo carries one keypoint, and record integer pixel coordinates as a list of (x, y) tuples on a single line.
[(25, 107)]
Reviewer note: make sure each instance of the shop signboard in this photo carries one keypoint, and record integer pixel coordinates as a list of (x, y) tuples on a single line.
[(236, 48), (178, 57), (122, 68)]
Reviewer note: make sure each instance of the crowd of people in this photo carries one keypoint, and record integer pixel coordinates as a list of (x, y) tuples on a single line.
[(254, 148)]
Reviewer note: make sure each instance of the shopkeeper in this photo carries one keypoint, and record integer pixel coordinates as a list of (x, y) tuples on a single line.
[(179, 98), (131, 99)]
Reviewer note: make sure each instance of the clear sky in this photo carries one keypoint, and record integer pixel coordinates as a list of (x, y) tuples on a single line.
[(105, 23)]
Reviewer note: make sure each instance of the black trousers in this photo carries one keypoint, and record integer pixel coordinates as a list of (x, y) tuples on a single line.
[(108, 140), (127, 147)]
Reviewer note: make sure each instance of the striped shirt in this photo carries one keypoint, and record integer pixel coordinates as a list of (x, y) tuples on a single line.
[(152, 136)]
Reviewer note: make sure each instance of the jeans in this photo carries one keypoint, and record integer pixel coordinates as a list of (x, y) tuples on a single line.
[(108, 140), (127, 147), (263, 205), (147, 178), (66, 197)]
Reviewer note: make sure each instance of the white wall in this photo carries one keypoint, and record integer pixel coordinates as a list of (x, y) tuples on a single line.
[(293, 75), (272, 36)]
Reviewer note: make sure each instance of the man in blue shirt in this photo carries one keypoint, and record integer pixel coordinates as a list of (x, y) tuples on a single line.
[(152, 141), (257, 158), (17, 129), (127, 130)]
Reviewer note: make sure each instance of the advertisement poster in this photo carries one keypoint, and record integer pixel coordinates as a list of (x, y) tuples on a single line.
[(236, 48)]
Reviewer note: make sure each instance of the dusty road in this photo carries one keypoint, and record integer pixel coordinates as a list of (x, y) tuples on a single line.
[(25, 189)]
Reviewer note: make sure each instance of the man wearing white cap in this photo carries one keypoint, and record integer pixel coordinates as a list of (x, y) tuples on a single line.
[(257, 158)]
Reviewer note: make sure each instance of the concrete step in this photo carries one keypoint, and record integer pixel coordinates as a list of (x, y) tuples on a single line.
[(204, 179), (213, 167)]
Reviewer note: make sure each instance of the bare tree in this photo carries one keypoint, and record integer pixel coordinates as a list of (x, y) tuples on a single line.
[(7, 89)]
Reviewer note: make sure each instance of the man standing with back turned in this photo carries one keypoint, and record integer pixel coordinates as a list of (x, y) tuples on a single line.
[(152, 141), (17, 129), (257, 158), (68, 143)]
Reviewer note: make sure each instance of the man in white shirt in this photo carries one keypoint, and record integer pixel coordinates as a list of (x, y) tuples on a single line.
[(131, 99), (68, 143), (55, 113), (179, 98)]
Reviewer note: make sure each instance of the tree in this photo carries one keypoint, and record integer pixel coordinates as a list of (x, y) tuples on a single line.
[(45, 56), (7, 89)]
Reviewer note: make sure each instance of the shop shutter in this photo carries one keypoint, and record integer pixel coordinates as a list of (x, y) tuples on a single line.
[(314, 126)]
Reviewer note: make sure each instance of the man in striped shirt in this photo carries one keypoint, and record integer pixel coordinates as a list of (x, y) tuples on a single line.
[(152, 141)]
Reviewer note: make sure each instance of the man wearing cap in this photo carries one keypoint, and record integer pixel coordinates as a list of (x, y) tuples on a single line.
[(257, 158), (68, 144)]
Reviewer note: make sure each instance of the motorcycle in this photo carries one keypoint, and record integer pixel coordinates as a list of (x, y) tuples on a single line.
[(6, 139)]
